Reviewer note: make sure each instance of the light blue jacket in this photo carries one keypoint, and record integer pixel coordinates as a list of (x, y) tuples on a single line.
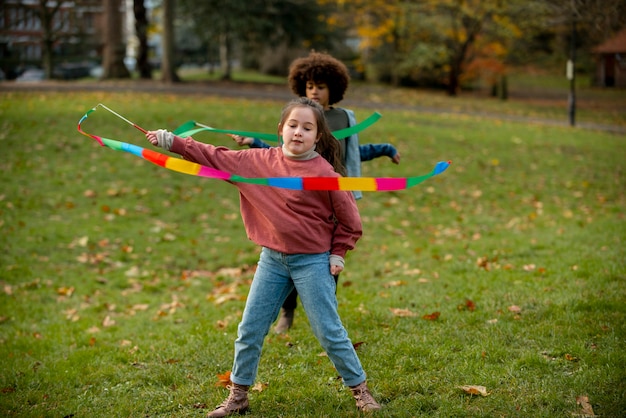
[(353, 155)]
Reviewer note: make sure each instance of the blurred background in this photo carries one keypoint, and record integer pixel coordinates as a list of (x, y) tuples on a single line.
[(450, 45)]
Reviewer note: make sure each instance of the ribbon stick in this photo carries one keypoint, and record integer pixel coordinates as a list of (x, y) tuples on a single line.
[(191, 127), (293, 183)]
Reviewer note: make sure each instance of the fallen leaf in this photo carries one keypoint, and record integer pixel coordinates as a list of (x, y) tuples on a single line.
[(583, 401), (394, 283), (474, 390), (431, 317), (65, 291), (259, 387), (483, 262), (223, 379), (469, 305), (108, 322), (401, 312)]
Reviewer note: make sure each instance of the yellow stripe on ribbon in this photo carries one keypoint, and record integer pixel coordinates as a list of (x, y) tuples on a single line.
[(183, 166), (366, 184)]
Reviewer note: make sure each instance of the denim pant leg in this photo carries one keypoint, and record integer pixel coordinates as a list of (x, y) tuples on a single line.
[(270, 286), (316, 286)]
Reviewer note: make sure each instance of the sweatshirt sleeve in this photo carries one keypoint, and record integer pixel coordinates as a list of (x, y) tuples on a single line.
[(221, 158), (348, 229)]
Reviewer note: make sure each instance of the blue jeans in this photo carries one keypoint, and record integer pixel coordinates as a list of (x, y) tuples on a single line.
[(275, 278)]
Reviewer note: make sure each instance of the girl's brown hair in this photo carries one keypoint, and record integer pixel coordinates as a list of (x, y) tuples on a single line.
[(327, 145), (319, 68)]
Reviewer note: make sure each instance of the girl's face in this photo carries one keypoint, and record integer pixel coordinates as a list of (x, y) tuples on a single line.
[(299, 131), (318, 93)]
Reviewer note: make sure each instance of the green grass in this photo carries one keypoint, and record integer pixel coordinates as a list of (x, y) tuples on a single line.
[(114, 272)]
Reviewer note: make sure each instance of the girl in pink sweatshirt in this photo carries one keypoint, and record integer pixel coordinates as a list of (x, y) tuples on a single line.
[(304, 237)]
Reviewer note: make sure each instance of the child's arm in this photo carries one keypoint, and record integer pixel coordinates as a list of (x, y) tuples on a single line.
[(249, 141), (370, 151)]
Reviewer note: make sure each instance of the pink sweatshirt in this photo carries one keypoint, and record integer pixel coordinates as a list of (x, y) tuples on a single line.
[(288, 221)]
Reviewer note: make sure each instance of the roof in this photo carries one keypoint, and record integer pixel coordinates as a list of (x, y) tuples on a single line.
[(614, 45)]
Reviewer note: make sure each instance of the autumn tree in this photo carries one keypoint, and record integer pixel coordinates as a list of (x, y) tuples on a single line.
[(114, 48), (441, 41)]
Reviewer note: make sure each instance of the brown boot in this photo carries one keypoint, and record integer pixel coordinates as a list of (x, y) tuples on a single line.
[(236, 403), (364, 400), (285, 321)]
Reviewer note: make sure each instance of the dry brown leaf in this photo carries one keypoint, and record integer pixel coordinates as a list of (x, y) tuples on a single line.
[(394, 283), (65, 291), (225, 298), (469, 305), (108, 322), (401, 312), (483, 262), (259, 387), (583, 401), (474, 390), (432, 317)]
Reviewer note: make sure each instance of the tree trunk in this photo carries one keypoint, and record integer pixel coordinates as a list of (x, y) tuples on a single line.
[(168, 71), (453, 79), (114, 50), (46, 16), (225, 56), (141, 28)]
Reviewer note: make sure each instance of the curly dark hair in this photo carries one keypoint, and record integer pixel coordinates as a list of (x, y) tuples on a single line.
[(327, 145), (319, 68)]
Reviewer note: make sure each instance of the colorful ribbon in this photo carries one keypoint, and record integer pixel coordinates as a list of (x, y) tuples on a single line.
[(191, 127), (293, 183)]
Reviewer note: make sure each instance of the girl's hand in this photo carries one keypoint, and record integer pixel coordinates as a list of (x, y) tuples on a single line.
[(241, 140), (335, 270), (160, 138), (152, 137)]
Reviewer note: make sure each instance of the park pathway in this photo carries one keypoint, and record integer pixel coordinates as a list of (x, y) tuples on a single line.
[(258, 91)]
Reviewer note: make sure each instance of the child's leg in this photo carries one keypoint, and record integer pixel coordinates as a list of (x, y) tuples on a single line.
[(270, 287), (316, 287), (291, 303)]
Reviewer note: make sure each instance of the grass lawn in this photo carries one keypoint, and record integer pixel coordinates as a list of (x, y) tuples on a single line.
[(123, 283)]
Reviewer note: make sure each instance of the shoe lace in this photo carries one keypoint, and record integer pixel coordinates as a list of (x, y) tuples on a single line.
[(363, 396)]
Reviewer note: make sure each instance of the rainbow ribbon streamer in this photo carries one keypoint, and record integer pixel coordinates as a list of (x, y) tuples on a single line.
[(294, 183)]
